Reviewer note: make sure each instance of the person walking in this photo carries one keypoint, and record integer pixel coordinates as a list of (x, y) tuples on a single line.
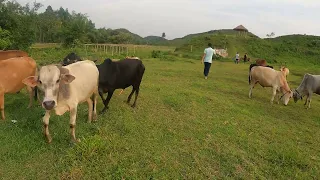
[(207, 59)]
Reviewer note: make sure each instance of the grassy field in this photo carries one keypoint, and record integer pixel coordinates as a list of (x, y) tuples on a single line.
[(184, 127)]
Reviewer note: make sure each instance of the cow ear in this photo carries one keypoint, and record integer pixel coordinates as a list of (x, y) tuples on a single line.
[(67, 78), (31, 81)]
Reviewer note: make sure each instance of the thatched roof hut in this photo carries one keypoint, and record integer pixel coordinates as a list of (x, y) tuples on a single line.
[(241, 28)]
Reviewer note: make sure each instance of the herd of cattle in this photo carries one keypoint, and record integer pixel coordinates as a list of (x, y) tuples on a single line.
[(266, 76), (73, 81), (65, 85)]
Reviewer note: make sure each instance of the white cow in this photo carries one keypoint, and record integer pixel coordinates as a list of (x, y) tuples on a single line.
[(268, 77), (309, 85), (64, 88)]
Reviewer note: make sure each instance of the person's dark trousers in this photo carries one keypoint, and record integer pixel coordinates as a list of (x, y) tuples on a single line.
[(206, 68)]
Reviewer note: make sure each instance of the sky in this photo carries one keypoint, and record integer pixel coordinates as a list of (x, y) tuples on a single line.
[(178, 18)]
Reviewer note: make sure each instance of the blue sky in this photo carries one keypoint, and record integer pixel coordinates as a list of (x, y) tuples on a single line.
[(178, 18)]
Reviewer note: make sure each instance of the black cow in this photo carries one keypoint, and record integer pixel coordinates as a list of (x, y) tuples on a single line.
[(252, 65), (120, 75), (70, 58)]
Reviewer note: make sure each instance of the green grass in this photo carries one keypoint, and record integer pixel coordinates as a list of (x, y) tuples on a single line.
[(184, 127)]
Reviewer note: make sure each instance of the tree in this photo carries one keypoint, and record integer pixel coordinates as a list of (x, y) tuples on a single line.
[(5, 39), (163, 35), (272, 34)]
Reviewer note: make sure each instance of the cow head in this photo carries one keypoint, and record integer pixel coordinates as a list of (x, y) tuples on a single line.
[(286, 97), (296, 96), (50, 80)]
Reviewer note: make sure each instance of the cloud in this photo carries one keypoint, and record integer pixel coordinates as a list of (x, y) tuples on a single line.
[(178, 18)]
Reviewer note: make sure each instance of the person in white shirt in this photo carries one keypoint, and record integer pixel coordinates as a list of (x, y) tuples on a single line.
[(207, 59), (237, 58)]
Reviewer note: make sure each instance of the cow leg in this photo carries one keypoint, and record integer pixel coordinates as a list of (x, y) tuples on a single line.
[(31, 94), (90, 108), (309, 101), (135, 98), (46, 118), (101, 95), (130, 96), (106, 102), (251, 87), (73, 117), (274, 93), (94, 98), (305, 103), (278, 97), (2, 105)]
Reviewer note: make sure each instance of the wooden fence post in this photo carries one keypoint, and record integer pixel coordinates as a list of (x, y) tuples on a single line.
[(127, 51), (112, 51)]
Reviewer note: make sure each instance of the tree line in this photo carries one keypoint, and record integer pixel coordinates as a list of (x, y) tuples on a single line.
[(21, 26)]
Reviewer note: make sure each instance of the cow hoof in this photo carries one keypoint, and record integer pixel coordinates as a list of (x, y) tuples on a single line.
[(94, 118), (75, 141), (133, 106), (49, 140)]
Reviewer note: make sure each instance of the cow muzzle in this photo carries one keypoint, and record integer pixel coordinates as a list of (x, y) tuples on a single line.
[(48, 105)]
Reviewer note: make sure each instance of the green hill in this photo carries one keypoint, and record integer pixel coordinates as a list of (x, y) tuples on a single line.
[(291, 48), (156, 40)]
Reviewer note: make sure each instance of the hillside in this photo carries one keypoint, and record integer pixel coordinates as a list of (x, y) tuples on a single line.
[(291, 48), (134, 38), (156, 40)]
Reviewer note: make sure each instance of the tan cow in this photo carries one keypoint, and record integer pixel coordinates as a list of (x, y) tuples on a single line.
[(64, 88), (268, 77), (12, 72), (11, 54)]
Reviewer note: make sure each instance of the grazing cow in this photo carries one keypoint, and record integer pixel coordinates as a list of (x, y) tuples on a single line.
[(120, 75), (309, 85), (253, 65), (12, 54), (12, 72), (64, 88), (261, 62), (268, 77)]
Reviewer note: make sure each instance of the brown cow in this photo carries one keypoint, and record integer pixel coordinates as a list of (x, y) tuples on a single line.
[(12, 72), (12, 54), (261, 62)]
